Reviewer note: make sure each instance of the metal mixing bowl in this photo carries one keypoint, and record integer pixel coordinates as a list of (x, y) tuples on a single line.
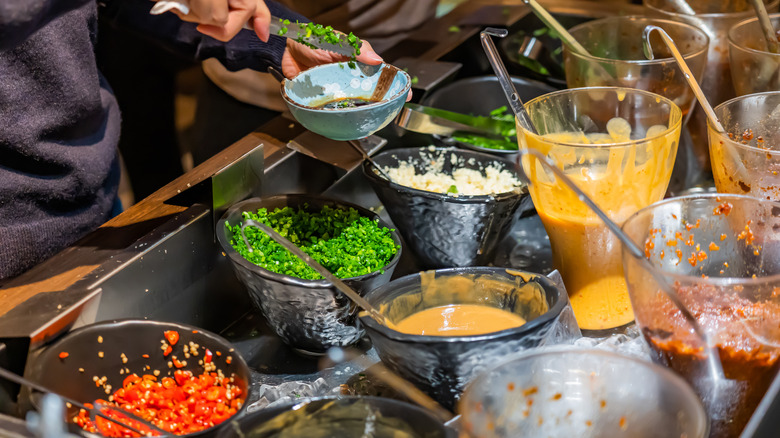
[(417, 418), (445, 231), (443, 365), (309, 315), (97, 349)]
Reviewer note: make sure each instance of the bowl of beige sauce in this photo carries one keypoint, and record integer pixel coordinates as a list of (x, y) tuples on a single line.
[(447, 325)]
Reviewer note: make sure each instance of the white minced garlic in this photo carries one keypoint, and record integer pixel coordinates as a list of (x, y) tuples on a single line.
[(492, 179)]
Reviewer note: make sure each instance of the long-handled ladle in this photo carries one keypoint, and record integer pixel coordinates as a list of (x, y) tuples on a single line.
[(569, 39), (293, 248), (766, 26), (713, 359), (697, 91), (95, 410)]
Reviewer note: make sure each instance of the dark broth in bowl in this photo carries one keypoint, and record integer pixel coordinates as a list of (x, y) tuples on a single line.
[(345, 102)]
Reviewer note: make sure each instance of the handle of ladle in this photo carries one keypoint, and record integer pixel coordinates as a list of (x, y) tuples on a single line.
[(503, 76), (648, 49)]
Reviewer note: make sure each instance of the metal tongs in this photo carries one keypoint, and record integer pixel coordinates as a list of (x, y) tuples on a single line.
[(279, 26), (427, 120)]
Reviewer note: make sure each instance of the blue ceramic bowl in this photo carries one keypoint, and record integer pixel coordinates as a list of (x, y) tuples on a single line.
[(328, 82)]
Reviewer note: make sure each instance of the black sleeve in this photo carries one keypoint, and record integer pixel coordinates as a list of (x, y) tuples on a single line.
[(21, 18), (245, 50)]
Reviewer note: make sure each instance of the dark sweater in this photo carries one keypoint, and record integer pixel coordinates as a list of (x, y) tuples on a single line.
[(59, 121)]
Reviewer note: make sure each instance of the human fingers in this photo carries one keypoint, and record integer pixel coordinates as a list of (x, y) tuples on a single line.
[(300, 57), (368, 55), (237, 18), (261, 21), (211, 12)]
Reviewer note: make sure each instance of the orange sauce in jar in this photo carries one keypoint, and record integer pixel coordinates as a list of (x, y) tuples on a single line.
[(620, 179)]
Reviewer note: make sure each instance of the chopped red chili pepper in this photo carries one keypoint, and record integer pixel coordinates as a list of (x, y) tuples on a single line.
[(172, 336), (207, 356), (64, 354), (145, 356), (181, 405), (167, 351)]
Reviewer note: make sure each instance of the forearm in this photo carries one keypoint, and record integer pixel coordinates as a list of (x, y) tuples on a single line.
[(244, 51)]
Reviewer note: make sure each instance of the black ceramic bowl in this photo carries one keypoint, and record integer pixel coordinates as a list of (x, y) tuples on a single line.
[(446, 231), (479, 96), (418, 419), (309, 315), (443, 365), (133, 338)]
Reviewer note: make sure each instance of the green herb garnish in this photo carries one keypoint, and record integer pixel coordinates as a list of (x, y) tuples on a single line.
[(415, 80), (452, 189), (345, 243), (323, 34), (454, 29), (509, 131)]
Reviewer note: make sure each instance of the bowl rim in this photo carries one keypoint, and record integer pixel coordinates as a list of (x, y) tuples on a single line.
[(775, 153), (553, 312), (559, 350), (675, 115), (274, 411), (522, 190), (234, 256), (404, 91), (744, 23), (661, 22), (123, 323), (717, 281), (709, 15)]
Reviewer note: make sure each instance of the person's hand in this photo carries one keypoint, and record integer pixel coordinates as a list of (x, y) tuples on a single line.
[(223, 19), (298, 57)]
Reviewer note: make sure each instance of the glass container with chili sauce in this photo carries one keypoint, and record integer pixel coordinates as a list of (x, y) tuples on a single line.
[(721, 254), (746, 157)]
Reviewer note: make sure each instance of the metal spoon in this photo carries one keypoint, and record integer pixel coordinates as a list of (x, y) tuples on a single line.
[(766, 26), (340, 285), (95, 410), (553, 24), (697, 91), (569, 40)]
